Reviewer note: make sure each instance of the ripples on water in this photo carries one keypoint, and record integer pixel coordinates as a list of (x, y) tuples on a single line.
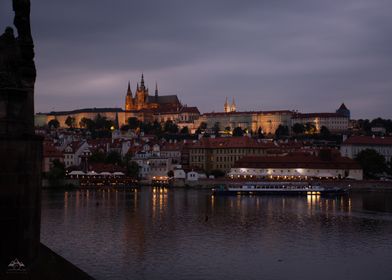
[(157, 233)]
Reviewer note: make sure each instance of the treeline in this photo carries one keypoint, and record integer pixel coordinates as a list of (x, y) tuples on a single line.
[(100, 127), (154, 127), (366, 125)]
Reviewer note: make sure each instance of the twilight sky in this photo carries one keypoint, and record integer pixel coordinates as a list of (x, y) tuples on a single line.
[(306, 55)]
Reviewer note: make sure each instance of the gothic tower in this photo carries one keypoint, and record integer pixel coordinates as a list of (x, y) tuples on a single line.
[(233, 107), (129, 99), (226, 106), (141, 95)]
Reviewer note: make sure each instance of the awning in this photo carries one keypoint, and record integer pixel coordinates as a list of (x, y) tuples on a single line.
[(75, 172)]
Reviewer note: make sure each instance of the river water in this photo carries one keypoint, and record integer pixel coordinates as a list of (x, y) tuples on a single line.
[(158, 233)]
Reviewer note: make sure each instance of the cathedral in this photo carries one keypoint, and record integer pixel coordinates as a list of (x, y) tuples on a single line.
[(230, 108), (144, 101)]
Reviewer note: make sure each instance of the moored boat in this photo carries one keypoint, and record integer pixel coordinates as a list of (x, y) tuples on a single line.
[(283, 188)]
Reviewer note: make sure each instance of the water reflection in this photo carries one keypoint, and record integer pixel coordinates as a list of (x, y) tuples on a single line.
[(160, 233)]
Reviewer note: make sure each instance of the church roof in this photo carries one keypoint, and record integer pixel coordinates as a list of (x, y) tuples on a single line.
[(187, 109), (86, 110), (317, 115), (163, 99), (342, 107)]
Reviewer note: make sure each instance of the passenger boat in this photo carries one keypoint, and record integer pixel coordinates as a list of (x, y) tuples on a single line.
[(284, 188)]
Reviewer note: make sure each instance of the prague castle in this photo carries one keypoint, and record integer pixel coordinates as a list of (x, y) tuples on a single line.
[(143, 100), (149, 108), (141, 105)]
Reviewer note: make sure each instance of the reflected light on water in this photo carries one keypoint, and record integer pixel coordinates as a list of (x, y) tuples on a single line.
[(313, 202), (160, 233)]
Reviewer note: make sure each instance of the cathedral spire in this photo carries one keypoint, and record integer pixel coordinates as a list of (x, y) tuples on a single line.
[(129, 92), (156, 89), (142, 82), (226, 106), (233, 107)]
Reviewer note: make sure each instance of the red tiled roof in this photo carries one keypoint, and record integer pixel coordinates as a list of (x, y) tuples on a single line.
[(172, 146), (297, 160), (75, 145), (193, 110), (368, 140), (106, 167), (49, 150), (249, 113), (317, 115), (231, 142)]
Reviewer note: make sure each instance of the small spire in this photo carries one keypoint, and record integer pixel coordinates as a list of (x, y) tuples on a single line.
[(233, 107), (226, 106), (156, 89), (137, 87), (142, 82), (129, 92)]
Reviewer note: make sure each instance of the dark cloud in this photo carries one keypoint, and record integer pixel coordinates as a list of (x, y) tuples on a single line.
[(309, 55)]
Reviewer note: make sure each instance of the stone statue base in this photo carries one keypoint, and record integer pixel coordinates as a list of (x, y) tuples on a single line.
[(20, 196), (16, 114)]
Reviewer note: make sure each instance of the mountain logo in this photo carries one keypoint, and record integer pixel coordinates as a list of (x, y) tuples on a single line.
[(16, 266)]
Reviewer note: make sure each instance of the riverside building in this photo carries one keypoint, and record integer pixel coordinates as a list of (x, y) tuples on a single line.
[(296, 166)]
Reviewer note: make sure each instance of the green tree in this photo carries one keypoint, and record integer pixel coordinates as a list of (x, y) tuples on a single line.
[(324, 132), (90, 124), (133, 123), (97, 156), (260, 133), (238, 132), (216, 128), (83, 123), (170, 127), (282, 131), (185, 130), (310, 128), (56, 173), (70, 121), (170, 174), (203, 126), (113, 157), (298, 128), (132, 169), (364, 126), (102, 123), (371, 162), (54, 123)]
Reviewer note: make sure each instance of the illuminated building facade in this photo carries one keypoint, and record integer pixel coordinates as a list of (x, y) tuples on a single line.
[(295, 166)]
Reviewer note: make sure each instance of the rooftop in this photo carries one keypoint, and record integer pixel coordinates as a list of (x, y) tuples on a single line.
[(368, 140), (317, 115), (248, 113), (297, 160), (231, 142)]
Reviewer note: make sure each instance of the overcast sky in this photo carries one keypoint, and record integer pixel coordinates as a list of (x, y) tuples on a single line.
[(306, 55)]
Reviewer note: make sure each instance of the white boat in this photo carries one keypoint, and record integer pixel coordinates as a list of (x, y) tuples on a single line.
[(285, 188)]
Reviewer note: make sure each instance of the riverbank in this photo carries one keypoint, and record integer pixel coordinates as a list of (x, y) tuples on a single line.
[(355, 186)]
